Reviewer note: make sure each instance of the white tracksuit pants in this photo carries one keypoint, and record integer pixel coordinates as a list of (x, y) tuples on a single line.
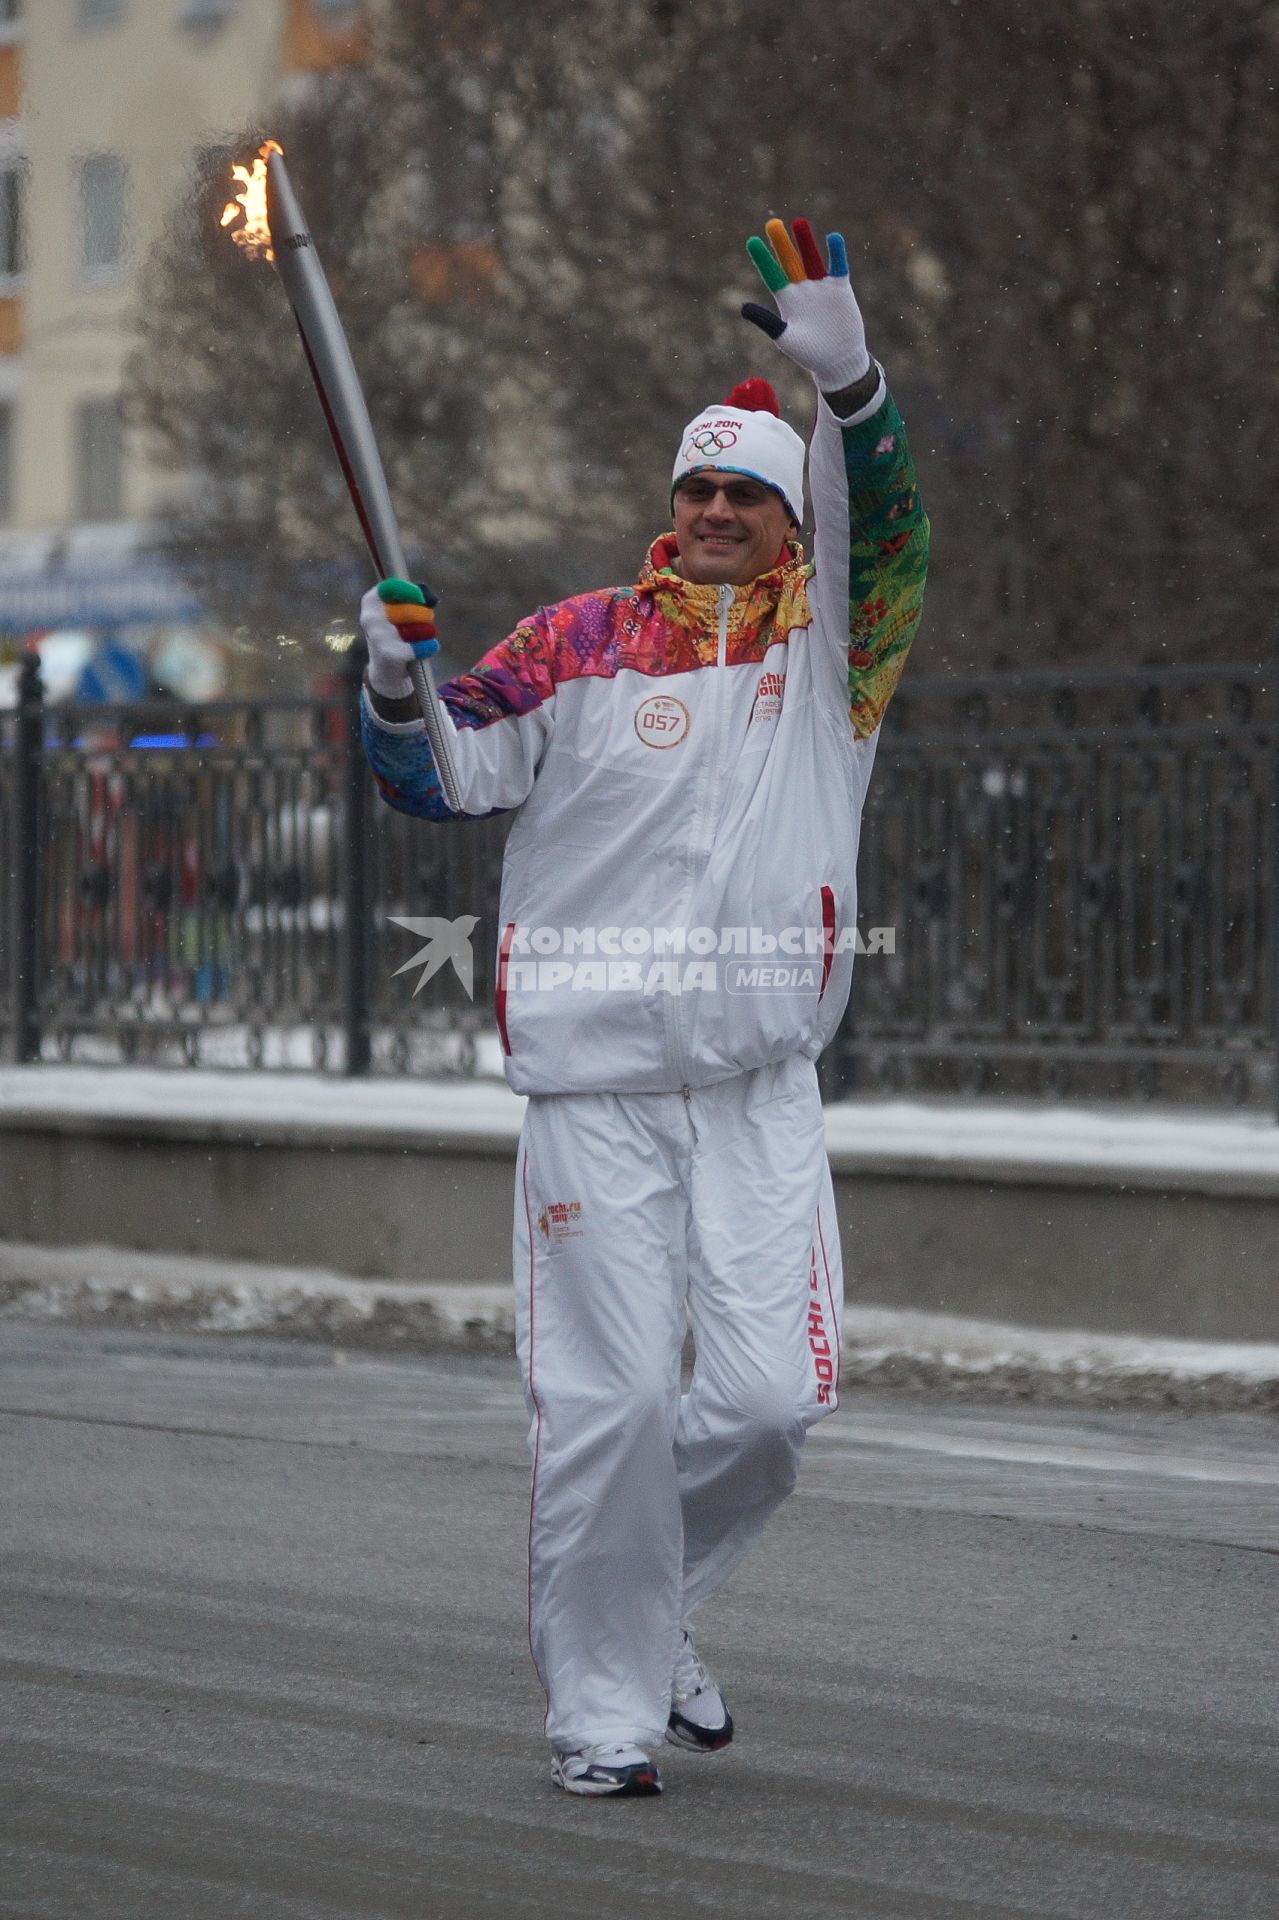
[(643, 1502)]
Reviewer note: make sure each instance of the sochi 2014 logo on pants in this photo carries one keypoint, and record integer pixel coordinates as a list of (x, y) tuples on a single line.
[(560, 1220)]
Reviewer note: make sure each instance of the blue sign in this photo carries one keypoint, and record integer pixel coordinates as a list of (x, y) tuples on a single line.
[(134, 591), (113, 677)]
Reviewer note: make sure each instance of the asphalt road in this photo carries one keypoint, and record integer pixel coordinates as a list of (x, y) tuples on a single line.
[(262, 1652)]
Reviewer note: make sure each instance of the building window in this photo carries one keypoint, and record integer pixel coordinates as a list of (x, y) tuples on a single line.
[(6, 461), (13, 188), (98, 13), (101, 185), (99, 460)]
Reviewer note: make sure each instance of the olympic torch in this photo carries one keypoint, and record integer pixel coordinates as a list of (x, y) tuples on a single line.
[(274, 226)]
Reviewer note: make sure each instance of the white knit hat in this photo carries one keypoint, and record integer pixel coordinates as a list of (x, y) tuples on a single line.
[(746, 435)]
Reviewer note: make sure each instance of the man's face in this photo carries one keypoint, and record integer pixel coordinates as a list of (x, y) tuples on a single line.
[(729, 529)]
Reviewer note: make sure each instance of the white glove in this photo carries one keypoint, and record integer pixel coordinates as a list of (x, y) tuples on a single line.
[(397, 630), (819, 323)]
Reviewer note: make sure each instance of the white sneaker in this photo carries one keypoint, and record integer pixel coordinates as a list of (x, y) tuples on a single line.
[(596, 1770), (699, 1719)]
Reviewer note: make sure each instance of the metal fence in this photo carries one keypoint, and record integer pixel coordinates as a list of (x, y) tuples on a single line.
[(1079, 874), (1082, 870)]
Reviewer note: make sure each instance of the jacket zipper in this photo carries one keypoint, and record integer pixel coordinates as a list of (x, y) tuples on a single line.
[(725, 598), (723, 601)]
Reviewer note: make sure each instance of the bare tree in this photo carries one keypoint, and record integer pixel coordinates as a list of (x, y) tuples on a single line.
[(1063, 230)]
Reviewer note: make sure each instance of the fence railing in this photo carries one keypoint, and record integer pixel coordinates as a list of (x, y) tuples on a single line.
[(1083, 872), (217, 885), (1080, 875)]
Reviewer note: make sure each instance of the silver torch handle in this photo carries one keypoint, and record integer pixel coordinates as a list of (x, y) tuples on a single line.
[(342, 399)]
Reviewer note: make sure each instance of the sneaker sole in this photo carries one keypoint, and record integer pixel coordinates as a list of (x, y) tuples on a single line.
[(694, 1739), (630, 1783)]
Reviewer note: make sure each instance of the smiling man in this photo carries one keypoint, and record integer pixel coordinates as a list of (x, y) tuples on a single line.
[(687, 760), (728, 529)]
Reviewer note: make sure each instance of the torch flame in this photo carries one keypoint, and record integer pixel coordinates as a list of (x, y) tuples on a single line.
[(255, 234)]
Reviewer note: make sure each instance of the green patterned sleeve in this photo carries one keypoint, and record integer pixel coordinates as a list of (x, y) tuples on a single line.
[(887, 561)]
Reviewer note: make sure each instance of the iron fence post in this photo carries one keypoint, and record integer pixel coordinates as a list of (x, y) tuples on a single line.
[(1271, 933), (24, 931), (837, 1065), (357, 1051)]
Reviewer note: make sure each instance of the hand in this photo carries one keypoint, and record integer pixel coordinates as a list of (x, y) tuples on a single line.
[(398, 626), (818, 323)]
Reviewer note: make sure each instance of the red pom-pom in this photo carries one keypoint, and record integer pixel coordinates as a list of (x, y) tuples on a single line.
[(753, 396)]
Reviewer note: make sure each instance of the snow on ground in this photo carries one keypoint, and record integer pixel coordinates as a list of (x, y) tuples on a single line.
[(881, 1347), (1200, 1148), (1188, 1142), (263, 1100)]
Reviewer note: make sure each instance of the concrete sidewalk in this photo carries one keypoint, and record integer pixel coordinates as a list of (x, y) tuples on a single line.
[(1120, 1221)]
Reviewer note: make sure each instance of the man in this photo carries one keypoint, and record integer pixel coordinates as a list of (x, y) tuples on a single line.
[(688, 759)]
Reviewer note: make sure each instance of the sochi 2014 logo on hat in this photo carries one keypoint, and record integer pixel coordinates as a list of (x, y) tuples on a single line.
[(709, 441)]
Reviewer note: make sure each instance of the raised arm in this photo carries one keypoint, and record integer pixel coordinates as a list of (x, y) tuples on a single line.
[(502, 713), (871, 548)]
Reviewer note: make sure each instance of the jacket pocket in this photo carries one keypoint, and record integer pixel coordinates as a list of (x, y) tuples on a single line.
[(499, 992), (828, 936)]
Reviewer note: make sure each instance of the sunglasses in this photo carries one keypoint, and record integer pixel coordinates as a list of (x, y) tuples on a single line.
[(738, 493)]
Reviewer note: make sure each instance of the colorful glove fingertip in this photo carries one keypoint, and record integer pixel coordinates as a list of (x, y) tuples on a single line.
[(784, 247), (408, 607), (786, 262), (412, 591), (770, 272), (809, 251), (764, 318)]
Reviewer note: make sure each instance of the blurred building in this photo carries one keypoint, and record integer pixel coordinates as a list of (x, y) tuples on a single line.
[(104, 106)]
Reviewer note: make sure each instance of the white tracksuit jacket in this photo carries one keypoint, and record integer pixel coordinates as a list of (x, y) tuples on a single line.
[(688, 763), (691, 761)]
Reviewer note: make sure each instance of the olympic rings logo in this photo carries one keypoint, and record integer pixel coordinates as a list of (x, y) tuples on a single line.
[(710, 441)]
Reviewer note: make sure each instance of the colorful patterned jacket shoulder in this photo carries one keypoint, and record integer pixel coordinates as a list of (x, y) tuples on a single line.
[(869, 575), (661, 625)]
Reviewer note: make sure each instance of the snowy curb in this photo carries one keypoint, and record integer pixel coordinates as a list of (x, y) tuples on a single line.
[(87, 1285), (928, 1352), (882, 1347), (992, 1142)]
